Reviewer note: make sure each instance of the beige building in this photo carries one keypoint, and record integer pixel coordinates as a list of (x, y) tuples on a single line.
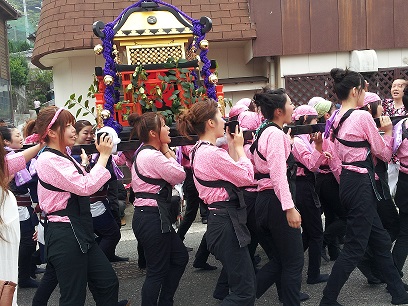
[(290, 43)]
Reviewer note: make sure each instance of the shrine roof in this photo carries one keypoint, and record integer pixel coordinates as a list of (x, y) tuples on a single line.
[(67, 24)]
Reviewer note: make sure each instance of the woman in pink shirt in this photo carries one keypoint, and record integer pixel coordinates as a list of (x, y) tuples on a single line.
[(277, 216), (154, 172), (357, 140), (218, 174), (63, 192), (386, 208), (400, 250), (309, 155)]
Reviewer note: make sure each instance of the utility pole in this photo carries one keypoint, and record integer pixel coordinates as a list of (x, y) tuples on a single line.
[(26, 20)]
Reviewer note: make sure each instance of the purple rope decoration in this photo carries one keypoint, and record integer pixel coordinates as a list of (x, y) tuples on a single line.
[(112, 96), (205, 71)]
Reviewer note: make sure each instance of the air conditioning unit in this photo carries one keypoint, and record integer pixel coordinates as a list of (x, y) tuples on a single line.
[(364, 61)]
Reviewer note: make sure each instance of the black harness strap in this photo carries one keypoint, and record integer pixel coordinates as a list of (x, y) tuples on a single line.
[(66, 211), (368, 162), (231, 189), (237, 213), (77, 209), (291, 165), (163, 197)]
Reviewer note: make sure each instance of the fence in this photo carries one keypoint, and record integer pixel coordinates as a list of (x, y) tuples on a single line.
[(301, 88)]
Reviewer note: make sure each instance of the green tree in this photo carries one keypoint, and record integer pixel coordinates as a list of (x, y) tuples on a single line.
[(38, 85), (18, 70), (18, 46)]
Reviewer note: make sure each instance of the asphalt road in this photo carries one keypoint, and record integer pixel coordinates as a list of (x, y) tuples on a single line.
[(196, 286)]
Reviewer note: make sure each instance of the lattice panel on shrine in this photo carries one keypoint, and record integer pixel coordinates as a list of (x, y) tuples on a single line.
[(138, 55)]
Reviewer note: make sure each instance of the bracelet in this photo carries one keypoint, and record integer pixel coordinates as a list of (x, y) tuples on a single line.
[(84, 165), (168, 151)]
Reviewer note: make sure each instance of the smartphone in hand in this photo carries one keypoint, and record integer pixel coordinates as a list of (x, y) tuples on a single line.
[(232, 125), (99, 135)]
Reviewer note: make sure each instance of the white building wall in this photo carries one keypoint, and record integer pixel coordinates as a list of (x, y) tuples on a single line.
[(75, 74), (318, 63), (232, 62)]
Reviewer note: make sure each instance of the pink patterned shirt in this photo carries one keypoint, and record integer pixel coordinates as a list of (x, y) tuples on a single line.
[(59, 172), (358, 127), (185, 150), (15, 162), (274, 145), (212, 163), (334, 163), (153, 164), (306, 154)]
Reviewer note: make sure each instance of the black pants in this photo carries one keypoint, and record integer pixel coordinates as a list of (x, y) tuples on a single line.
[(75, 269), (26, 250), (166, 257), (250, 200), (363, 228), (390, 220), (400, 250), (327, 188), (193, 202), (286, 248), (237, 265), (222, 287), (108, 232), (114, 201), (47, 285), (312, 234)]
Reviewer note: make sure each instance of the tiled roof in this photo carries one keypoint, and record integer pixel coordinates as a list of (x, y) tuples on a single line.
[(67, 24), (8, 11)]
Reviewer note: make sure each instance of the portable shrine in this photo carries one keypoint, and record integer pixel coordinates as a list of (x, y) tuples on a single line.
[(153, 53)]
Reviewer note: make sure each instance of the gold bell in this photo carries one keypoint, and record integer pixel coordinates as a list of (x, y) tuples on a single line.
[(108, 79), (105, 114), (204, 44), (213, 78), (98, 49)]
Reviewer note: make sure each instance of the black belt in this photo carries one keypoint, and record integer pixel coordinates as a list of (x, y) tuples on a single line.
[(259, 176), (153, 209), (98, 196), (367, 164)]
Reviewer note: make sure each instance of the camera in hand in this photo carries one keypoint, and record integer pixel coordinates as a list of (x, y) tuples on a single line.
[(99, 136), (231, 125)]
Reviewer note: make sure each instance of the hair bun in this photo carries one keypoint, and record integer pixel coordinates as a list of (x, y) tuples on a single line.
[(338, 74), (133, 118)]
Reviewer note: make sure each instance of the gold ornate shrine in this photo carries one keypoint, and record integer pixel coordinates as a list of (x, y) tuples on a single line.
[(153, 56)]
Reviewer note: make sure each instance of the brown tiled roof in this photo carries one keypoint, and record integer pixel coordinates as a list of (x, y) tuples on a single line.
[(67, 24), (7, 11)]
